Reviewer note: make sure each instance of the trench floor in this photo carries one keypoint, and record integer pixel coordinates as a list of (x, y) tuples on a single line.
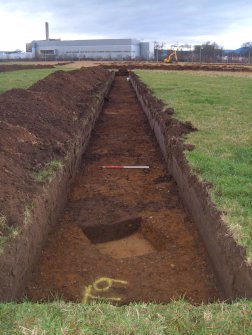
[(159, 259)]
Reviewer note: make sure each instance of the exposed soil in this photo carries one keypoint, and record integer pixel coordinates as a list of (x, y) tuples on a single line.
[(177, 67), (129, 65), (133, 245), (124, 235), (38, 126), (16, 67)]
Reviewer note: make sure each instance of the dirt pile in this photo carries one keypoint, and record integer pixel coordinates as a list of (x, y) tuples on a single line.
[(38, 127), (177, 67), (16, 67)]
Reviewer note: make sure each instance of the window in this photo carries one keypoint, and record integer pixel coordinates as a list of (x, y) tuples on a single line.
[(47, 52)]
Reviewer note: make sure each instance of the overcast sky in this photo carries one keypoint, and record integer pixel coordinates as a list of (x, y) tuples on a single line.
[(228, 23)]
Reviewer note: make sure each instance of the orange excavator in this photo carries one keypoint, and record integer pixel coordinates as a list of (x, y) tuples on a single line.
[(172, 58)]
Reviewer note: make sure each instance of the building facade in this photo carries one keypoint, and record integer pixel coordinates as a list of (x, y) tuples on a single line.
[(16, 55), (114, 49)]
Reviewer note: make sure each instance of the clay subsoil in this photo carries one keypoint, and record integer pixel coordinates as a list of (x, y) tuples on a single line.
[(124, 235)]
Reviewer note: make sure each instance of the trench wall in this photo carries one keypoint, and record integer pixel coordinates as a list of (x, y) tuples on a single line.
[(20, 256), (228, 259)]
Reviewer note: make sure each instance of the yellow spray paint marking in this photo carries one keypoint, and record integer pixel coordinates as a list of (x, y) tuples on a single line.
[(102, 284)]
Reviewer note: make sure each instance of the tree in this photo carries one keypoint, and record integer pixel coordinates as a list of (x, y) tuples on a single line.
[(185, 47), (208, 52), (248, 46), (158, 47)]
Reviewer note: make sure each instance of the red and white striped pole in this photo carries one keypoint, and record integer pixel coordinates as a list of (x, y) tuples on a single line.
[(124, 167)]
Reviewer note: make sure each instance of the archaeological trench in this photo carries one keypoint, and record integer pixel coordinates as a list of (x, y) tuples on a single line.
[(76, 231)]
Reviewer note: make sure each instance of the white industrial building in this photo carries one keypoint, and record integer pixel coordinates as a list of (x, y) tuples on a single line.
[(16, 55), (114, 49)]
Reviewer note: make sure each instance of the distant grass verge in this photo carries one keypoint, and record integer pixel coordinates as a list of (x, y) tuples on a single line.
[(102, 319), (25, 78), (220, 107), (22, 78), (48, 172)]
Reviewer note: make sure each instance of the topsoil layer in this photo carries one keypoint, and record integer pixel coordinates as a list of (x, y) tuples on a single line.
[(124, 235)]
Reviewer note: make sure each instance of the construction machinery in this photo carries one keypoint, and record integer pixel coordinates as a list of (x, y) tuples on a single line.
[(171, 58)]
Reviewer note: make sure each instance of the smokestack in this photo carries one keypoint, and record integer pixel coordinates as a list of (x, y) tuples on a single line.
[(47, 31)]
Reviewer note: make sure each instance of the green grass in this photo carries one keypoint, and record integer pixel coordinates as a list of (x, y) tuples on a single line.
[(220, 107), (22, 78), (7, 233), (177, 318), (48, 172), (25, 78)]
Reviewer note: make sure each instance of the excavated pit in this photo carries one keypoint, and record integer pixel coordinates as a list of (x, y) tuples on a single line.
[(124, 235), (121, 239)]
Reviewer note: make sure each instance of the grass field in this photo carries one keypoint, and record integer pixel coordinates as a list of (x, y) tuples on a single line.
[(22, 78), (177, 317), (220, 107), (25, 78)]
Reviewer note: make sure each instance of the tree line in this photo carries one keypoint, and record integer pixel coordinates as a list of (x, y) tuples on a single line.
[(206, 52)]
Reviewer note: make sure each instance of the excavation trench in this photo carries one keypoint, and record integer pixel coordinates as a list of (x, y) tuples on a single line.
[(124, 235)]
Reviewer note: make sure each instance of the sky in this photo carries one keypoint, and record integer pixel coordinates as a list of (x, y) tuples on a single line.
[(228, 23)]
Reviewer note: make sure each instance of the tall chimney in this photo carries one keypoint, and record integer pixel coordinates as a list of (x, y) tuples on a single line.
[(47, 31)]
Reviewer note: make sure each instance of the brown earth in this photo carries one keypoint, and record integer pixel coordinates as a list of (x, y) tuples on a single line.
[(177, 67), (16, 67), (38, 126), (134, 227), (129, 65), (156, 255), (153, 65)]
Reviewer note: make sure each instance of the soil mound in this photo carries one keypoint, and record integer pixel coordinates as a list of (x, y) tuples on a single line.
[(123, 67), (16, 67), (38, 126)]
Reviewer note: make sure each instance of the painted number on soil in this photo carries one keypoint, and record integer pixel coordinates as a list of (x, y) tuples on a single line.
[(102, 284)]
